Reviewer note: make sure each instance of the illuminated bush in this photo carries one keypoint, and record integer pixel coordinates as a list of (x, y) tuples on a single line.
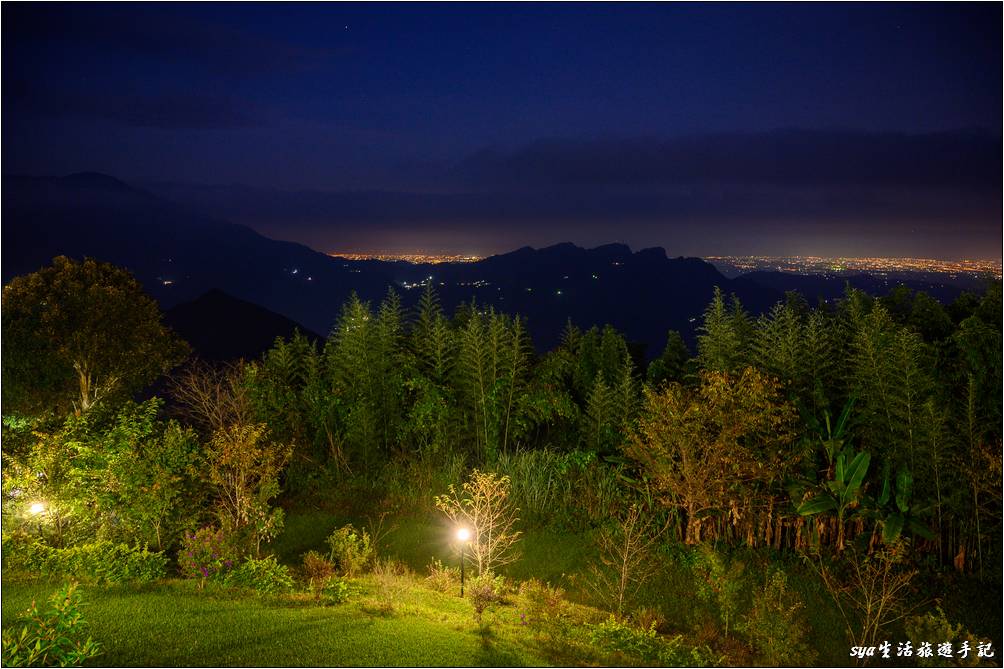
[(265, 576), (351, 549), (205, 554), (55, 637)]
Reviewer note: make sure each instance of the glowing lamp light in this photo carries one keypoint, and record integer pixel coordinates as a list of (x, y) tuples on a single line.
[(463, 536), (36, 508)]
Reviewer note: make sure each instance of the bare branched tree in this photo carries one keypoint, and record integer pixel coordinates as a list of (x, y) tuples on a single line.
[(625, 562), (484, 508), (872, 593), (213, 397)]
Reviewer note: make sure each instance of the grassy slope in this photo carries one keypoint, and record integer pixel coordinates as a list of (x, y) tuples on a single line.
[(173, 624), (563, 558)]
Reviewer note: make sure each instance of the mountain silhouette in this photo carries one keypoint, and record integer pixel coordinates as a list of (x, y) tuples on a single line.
[(179, 255), (220, 327)]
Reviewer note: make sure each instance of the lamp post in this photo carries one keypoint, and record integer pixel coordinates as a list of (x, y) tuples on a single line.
[(464, 535), (37, 509)]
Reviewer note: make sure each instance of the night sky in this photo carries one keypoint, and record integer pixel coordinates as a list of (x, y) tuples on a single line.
[(853, 129)]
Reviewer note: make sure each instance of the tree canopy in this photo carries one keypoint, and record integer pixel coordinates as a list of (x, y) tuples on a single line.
[(77, 333)]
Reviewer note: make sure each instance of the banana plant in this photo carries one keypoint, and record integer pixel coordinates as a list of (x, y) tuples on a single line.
[(901, 514), (843, 493), (833, 442)]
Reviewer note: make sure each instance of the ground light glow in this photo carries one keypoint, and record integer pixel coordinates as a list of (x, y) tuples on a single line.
[(36, 508)]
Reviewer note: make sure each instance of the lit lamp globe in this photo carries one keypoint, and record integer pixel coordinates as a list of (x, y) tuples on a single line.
[(36, 508), (463, 534)]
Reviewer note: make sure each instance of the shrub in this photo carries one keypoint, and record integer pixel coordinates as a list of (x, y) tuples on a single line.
[(483, 591), (392, 580), (22, 552), (317, 569), (105, 562), (719, 582), (337, 590), (443, 578), (99, 562), (544, 609), (615, 636), (646, 617), (621, 639), (935, 627), (774, 625), (265, 576), (205, 554), (53, 638), (351, 549)]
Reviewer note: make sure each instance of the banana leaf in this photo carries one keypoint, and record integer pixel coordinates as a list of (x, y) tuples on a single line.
[(817, 505), (856, 472), (892, 528)]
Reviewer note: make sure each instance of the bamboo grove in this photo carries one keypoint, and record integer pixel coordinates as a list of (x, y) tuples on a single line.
[(865, 419)]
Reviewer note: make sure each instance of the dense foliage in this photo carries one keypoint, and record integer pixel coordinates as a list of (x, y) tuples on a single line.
[(845, 433)]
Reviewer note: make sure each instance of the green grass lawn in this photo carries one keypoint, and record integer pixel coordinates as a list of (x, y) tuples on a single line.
[(174, 624), (402, 621), (563, 558)]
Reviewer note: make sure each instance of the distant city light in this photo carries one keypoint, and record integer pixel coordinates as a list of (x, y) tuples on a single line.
[(825, 265), (414, 258)]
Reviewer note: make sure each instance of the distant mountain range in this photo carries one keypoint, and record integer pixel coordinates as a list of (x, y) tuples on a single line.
[(180, 255)]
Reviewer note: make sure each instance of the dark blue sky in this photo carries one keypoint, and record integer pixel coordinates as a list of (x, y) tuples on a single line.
[(856, 128)]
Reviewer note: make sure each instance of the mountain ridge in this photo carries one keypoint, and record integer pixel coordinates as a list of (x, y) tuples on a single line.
[(179, 254)]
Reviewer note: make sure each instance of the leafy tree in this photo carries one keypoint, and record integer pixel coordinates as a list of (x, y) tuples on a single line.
[(432, 421), (366, 359), (44, 474), (724, 443), (244, 466), (929, 318), (351, 358), (597, 354), (598, 422), (138, 476), (78, 333)]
